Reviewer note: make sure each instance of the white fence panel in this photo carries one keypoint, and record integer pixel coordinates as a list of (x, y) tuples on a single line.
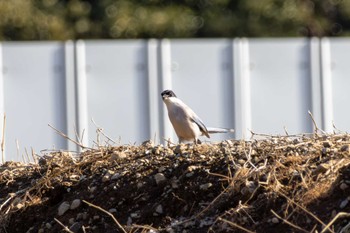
[(280, 85), (201, 76), (340, 69), (33, 96), (116, 90)]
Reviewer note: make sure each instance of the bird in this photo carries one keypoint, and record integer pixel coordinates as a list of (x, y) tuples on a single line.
[(187, 125)]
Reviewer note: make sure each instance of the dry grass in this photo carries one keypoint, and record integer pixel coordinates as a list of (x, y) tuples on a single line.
[(276, 182)]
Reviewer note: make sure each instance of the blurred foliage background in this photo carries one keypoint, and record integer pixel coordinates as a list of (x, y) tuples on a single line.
[(86, 19)]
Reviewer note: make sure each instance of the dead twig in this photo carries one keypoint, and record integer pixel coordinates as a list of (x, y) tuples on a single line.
[(68, 138), (235, 225), (315, 124), (289, 223), (339, 215), (108, 213), (303, 208), (63, 226)]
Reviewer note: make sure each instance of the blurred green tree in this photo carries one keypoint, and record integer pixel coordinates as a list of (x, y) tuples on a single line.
[(84, 19)]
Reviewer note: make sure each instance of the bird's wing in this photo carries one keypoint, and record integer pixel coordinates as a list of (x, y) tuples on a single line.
[(200, 124), (219, 130)]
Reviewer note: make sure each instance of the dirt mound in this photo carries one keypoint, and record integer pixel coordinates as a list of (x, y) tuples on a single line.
[(275, 184)]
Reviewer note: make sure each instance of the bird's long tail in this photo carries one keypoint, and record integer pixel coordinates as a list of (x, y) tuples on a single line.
[(219, 130)]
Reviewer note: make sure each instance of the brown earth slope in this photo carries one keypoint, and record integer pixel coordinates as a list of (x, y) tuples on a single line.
[(276, 184)]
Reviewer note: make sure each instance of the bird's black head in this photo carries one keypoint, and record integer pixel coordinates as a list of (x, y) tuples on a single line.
[(167, 93)]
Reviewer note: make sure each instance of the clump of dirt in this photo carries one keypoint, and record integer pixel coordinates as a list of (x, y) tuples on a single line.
[(274, 184)]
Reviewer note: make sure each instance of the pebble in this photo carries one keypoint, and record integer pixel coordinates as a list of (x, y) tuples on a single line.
[(343, 203), (206, 222), (113, 210), (241, 161), (251, 186), (71, 221), (48, 225), (79, 216), (92, 189), (75, 204), (192, 168), (189, 174), (159, 177), (343, 186), (75, 227), (116, 176), (129, 222), (174, 184), (63, 208), (345, 148), (275, 220), (205, 186), (159, 209), (135, 215), (107, 176)]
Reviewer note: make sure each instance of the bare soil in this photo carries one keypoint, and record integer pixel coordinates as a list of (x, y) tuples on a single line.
[(274, 184)]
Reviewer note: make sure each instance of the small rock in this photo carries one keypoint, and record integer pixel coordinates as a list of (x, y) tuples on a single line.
[(107, 176), (79, 216), (48, 225), (251, 186), (327, 144), (159, 177), (75, 204), (148, 143), (321, 168), (113, 210), (129, 222), (92, 189), (41, 230), (116, 176), (241, 161), (343, 186), (63, 208), (192, 168), (343, 204), (174, 184), (205, 186), (75, 227), (206, 222), (117, 155), (159, 209), (189, 174), (139, 185), (71, 221), (161, 169), (345, 148), (275, 220), (135, 215), (156, 150), (180, 149), (96, 217)]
